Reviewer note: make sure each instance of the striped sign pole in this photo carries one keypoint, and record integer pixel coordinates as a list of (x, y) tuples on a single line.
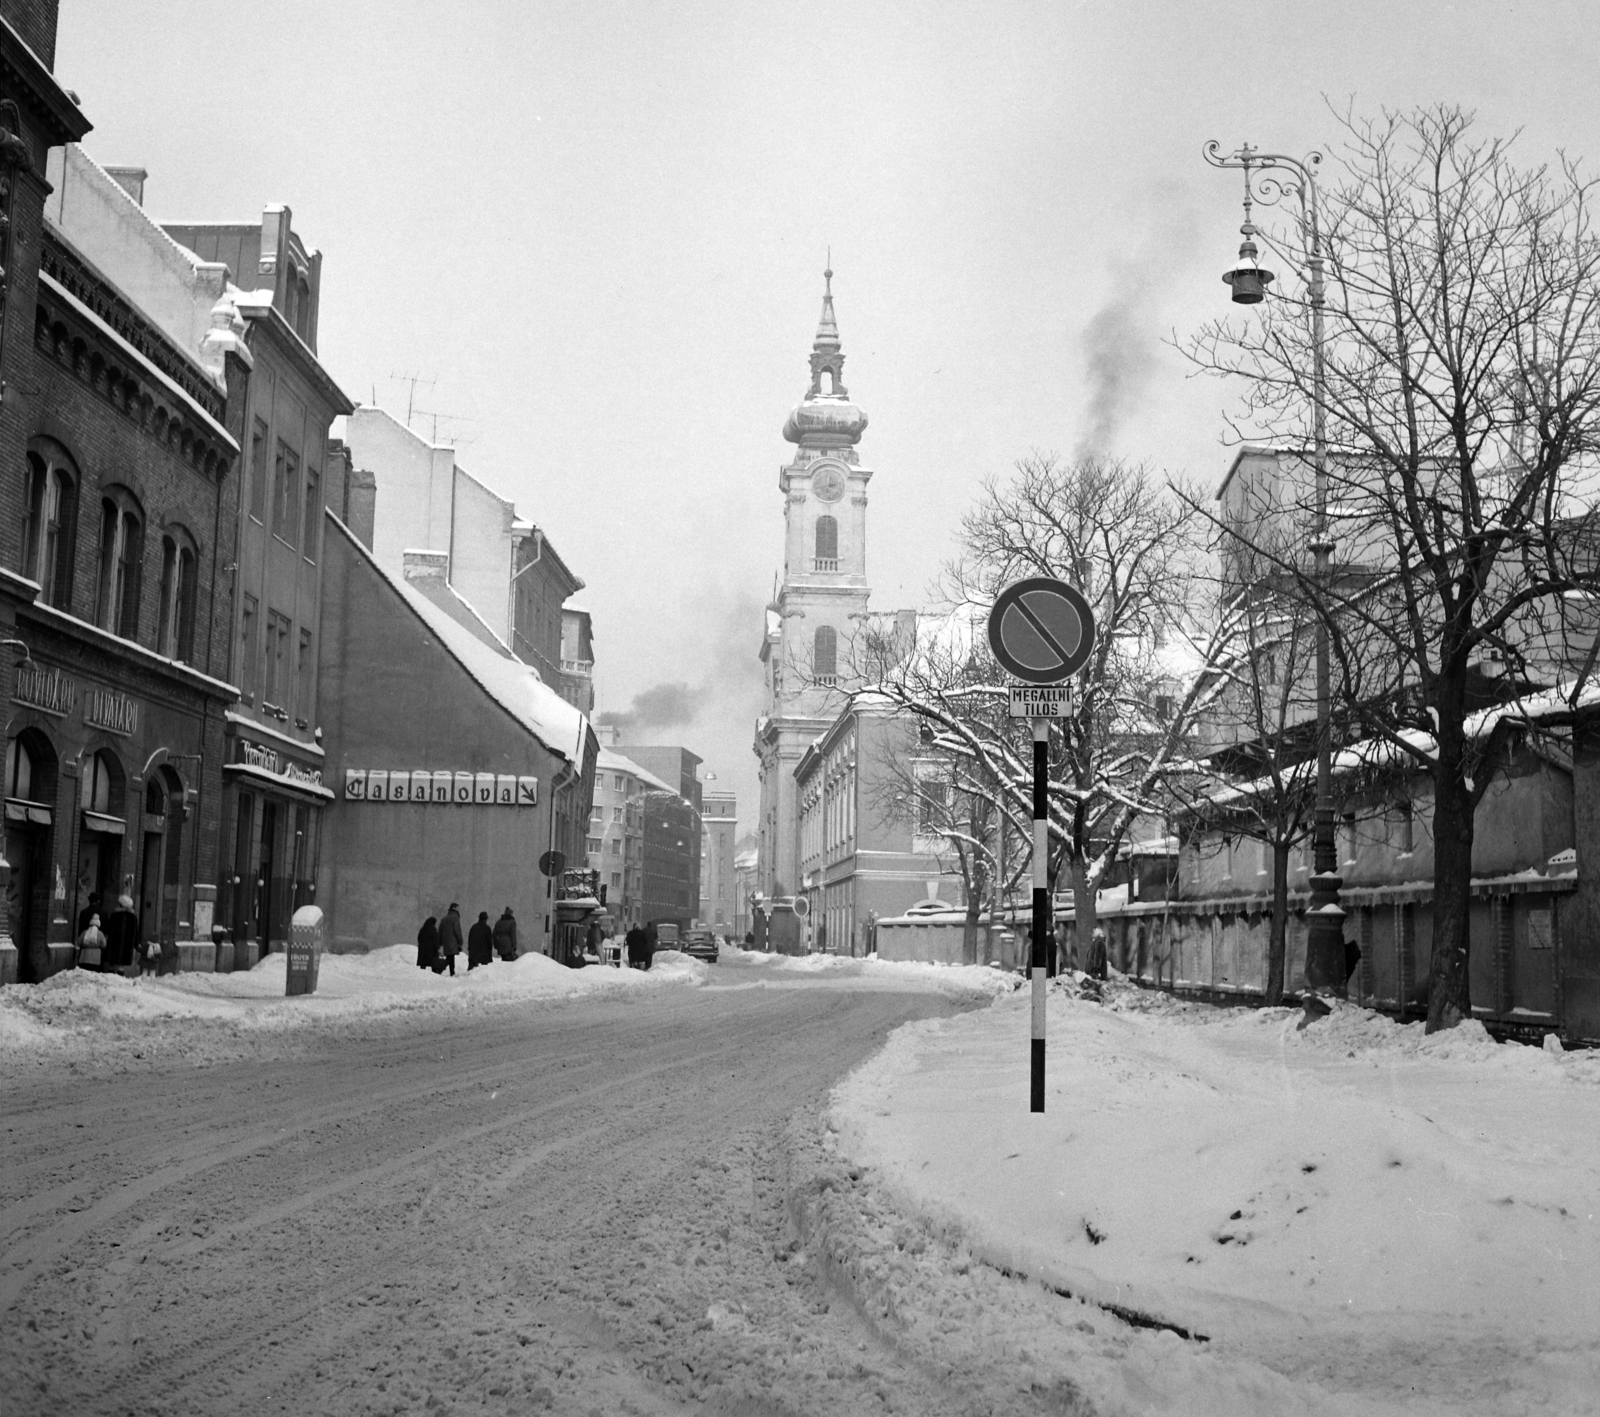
[(1042, 631), (1041, 902)]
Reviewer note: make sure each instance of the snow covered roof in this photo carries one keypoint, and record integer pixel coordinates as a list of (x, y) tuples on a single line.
[(1553, 703), (513, 685), (611, 760)]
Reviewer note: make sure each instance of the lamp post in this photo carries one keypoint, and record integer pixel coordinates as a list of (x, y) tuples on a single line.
[(1279, 175)]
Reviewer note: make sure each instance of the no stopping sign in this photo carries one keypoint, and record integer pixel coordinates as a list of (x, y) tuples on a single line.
[(1041, 630)]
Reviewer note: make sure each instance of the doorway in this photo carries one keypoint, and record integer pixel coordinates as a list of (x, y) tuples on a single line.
[(22, 847), (266, 883)]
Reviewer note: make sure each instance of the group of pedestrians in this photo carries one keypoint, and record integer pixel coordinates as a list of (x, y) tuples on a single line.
[(110, 944), (440, 941)]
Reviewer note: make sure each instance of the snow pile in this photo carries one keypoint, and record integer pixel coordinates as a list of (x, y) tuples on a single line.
[(956, 980), (1387, 1223), (78, 1010)]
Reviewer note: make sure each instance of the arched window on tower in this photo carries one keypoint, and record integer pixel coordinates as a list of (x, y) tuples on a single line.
[(825, 655), (827, 557)]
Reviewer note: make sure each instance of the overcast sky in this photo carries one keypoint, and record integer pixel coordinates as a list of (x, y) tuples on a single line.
[(597, 230)]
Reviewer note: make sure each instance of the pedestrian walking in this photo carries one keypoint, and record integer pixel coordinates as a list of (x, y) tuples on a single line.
[(428, 945), (91, 946), (480, 942), (89, 911), (122, 939), (638, 945), (505, 935), (450, 942)]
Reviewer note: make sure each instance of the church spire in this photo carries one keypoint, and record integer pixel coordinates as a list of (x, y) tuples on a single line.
[(827, 355), (827, 327)]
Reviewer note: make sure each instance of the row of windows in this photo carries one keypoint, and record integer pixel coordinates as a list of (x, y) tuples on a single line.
[(283, 669), (50, 513), (287, 495)]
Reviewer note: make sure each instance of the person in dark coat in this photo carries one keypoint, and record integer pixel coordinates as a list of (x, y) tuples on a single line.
[(450, 941), (638, 946), (428, 945), (505, 935), (122, 938), (1096, 966), (480, 942)]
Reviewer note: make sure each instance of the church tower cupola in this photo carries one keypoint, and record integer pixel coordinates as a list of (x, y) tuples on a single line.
[(826, 418)]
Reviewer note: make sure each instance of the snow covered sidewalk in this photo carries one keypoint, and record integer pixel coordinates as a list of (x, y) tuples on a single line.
[(841, 971), (1359, 1219), (77, 1014)]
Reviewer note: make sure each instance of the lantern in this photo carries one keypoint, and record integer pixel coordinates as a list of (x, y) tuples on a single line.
[(1248, 279)]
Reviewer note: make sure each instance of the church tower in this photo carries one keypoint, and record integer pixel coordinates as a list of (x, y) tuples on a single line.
[(815, 618)]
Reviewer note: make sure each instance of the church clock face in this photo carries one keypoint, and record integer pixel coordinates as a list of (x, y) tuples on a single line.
[(828, 484)]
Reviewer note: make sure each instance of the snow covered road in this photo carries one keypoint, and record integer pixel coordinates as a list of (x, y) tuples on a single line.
[(600, 1205)]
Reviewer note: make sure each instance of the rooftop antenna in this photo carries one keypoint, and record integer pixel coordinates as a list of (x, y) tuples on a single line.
[(411, 394)]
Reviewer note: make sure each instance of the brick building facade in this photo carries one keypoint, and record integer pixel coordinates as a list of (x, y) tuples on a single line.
[(121, 477)]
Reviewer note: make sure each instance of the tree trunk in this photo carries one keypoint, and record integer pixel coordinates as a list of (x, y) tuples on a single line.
[(1449, 985), (969, 926), (1278, 929), (1083, 909)]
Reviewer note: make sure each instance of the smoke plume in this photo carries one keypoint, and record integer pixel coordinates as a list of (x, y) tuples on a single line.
[(1121, 342), (660, 706)]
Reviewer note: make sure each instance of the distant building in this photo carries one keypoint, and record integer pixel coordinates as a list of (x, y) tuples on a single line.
[(671, 836), (616, 833), (671, 858), (864, 855), (500, 566), (719, 824), (577, 658)]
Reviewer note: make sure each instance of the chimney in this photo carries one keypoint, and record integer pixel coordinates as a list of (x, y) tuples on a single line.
[(130, 179), (423, 568)]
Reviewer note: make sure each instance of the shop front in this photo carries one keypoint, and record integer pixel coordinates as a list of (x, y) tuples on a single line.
[(274, 798), (111, 776)]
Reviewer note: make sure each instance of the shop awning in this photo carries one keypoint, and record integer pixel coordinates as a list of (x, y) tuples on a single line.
[(292, 786), (99, 822), (36, 814)]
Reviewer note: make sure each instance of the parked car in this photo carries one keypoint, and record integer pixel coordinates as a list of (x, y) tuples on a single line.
[(700, 944)]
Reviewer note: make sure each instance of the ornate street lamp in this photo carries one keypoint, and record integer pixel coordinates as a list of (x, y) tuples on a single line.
[(1279, 175)]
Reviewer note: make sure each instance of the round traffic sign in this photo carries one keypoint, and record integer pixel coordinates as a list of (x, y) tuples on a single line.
[(1041, 629), (552, 863)]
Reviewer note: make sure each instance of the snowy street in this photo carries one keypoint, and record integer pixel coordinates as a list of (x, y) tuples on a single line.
[(716, 1189), (579, 1205)]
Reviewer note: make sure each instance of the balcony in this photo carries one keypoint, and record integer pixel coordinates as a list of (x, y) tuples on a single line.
[(824, 563)]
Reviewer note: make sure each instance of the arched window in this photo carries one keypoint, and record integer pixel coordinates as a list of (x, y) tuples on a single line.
[(179, 560), (50, 521), (121, 555), (19, 770), (102, 785), (31, 768), (825, 655), (827, 544)]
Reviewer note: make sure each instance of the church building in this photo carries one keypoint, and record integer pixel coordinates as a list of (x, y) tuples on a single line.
[(821, 601)]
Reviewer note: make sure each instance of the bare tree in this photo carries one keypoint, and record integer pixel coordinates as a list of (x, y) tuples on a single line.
[(1261, 721), (1461, 387), (1132, 546), (948, 803)]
